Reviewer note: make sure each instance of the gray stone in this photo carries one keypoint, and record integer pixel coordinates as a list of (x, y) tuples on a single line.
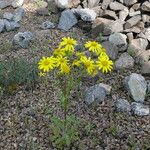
[(47, 25), (145, 68), (139, 109), (134, 13), (22, 39), (141, 35), (110, 14), (111, 49), (116, 6), (146, 18), (122, 105), (67, 20), (18, 14), (94, 94), (137, 46), (17, 3), (134, 29), (86, 14), (136, 6), (106, 87), (123, 14), (2, 25), (147, 33), (132, 21), (129, 2), (120, 40), (146, 6), (137, 86), (4, 4), (8, 16), (125, 61), (130, 36), (11, 25), (106, 3), (93, 3)]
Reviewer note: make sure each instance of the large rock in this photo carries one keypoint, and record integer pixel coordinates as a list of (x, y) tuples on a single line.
[(86, 14), (111, 49), (67, 20), (120, 40), (140, 109), (17, 3), (2, 25), (137, 86), (116, 6), (146, 6), (122, 105), (67, 3), (132, 21), (125, 61), (137, 46), (18, 14), (22, 39), (94, 94), (4, 4)]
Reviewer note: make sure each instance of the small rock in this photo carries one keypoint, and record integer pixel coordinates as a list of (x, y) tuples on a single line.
[(122, 105), (116, 6), (17, 3), (120, 40), (146, 18), (8, 16), (86, 14), (123, 14), (110, 14), (137, 86), (106, 3), (132, 21), (137, 46), (125, 61), (11, 25), (141, 35), (134, 13), (136, 6), (93, 3), (43, 12), (47, 25), (18, 14), (106, 87), (67, 20), (111, 49), (145, 68), (146, 6), (130, 36), (134, 29), (147, 33), (4, 4), (129, 2), (22, 39), (2, 25), (94, 94), (139, 109)]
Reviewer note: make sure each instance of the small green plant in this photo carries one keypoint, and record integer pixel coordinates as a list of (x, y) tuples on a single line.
[(15, 72), (113, 130)]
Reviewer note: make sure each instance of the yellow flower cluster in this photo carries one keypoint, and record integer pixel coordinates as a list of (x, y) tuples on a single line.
[(65, 58)]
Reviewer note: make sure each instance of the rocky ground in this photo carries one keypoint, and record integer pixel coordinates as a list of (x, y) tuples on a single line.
[(114, 108)]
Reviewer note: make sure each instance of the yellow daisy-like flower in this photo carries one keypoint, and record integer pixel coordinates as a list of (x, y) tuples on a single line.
[(76, 63), (103, 54), (92, 70), (64, 68), (104, 64), (94, 47), (60, 60), (68, 44), (58, 52), (46, 64), (86, 61)]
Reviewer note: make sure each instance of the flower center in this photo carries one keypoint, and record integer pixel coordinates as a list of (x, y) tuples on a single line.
[(46, 62), (69, 42), (105, 63)]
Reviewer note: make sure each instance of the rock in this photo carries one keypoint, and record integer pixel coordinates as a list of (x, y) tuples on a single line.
[(67, 20), (134, 29), (11, 25), (106, 3), (120, 40), (18, 14), (111, 49), (125, 61), (141, 35), (94, 94), (67, 3), (147, 33), (146, 18), (98, 11), (22, 39), (139, 109), (52, 7), (122, 105), (137, 86), (136, 6), (123, 14), (93, 3), (8, 16), (134, 13), (86, 14), (145, 68), (47, 25), (116, 6), (148, 87), (137, 46), (106, 87), (129, 2), (110, 14), (2, 25), (17, 3), (146, 6), (130, 36), (132, 21), (4, 4), (41, 4)]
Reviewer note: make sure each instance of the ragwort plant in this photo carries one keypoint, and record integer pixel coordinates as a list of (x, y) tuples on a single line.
[(69, 66)]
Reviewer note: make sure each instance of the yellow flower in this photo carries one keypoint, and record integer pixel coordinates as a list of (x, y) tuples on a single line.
[(68, 43), (79, 54), (94, 47), (58, 52), (86, 61), (46, 64), (61, 60), (41, 74), (76, 63), (103, 54), (104, 64), (92, 70), (64, 68)]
